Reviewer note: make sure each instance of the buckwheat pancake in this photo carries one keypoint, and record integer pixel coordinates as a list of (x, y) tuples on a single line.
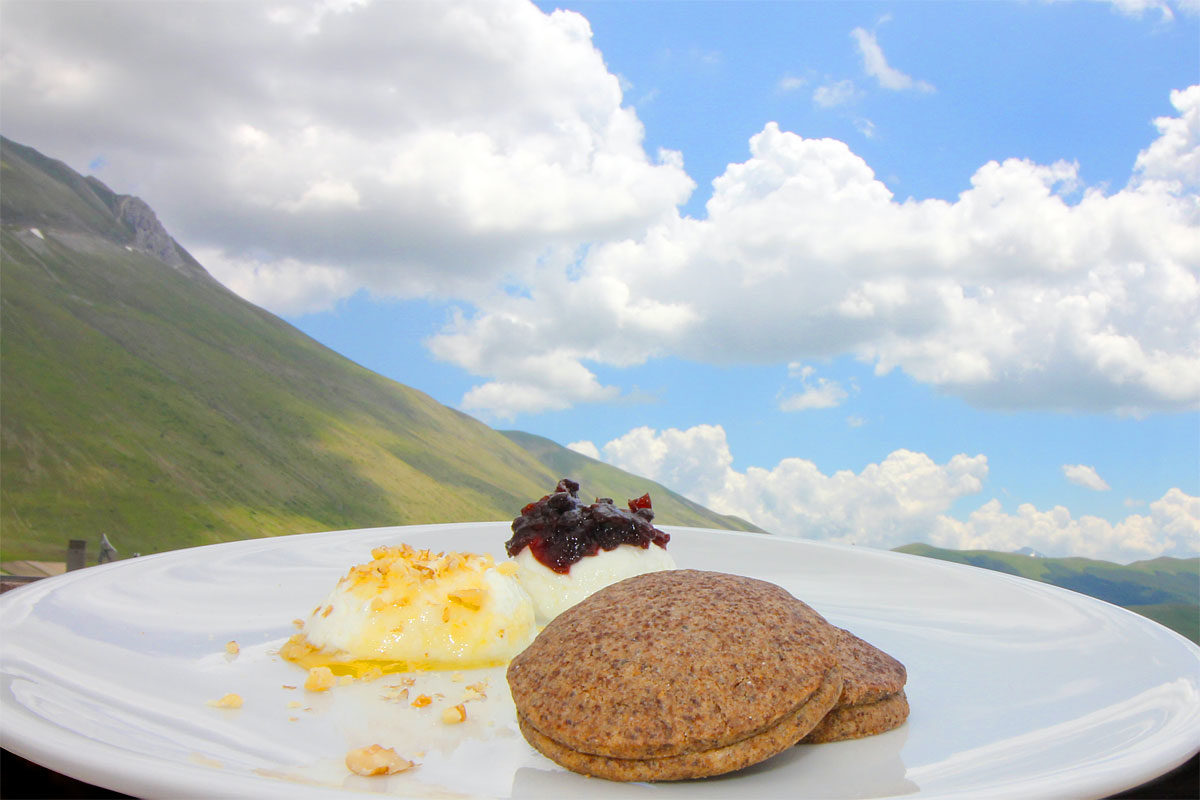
[(872, 699), (676, 674)]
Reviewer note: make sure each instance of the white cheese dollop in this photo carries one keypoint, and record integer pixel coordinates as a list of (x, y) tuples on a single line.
[(553, 593)]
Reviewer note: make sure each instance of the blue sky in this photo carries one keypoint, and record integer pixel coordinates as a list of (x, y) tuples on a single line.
[(866, 272)]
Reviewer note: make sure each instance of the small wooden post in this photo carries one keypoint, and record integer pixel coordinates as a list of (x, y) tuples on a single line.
[(76, 554)]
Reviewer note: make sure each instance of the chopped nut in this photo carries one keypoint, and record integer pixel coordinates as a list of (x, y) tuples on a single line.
[(376, 760), (422, 701), (228, 701), (299, 623), (232, 648), (454, 714), (319, 679), (471, 694), (288, 686), (294, 704)]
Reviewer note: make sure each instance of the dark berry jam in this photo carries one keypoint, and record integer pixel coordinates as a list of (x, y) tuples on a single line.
[(559, 529)]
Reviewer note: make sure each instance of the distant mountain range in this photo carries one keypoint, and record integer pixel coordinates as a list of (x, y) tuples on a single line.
[(1166, 590), (143, 400)]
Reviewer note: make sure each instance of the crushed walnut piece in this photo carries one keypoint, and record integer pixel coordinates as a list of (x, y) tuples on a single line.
[(230, 700), (376, 760), (232, 648), (395, 693), (453, 715), (319, 679), (422, 701)]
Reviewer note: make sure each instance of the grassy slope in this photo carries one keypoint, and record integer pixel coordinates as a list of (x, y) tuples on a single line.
[(1166, 590), (160, 409)]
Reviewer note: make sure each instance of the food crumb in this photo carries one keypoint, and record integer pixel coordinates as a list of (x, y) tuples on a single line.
[(288, 686), (422, 701), (230, 700), (395, 693), (319, 679), (294, 704), (232, 648), (454, 714), (376, 760)]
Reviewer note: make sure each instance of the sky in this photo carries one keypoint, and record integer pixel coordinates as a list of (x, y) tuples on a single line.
[(871, 273)]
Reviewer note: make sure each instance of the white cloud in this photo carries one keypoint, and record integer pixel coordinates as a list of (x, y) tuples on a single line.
[(1174, 157), (875, 64), (1010, 296), (1171, 528), (1085, 476), (865, 126), (790, 83), (814, 394), (585, 448), (835, 94), (422, 148), (697, 458), (903, 498), (1136, 8)]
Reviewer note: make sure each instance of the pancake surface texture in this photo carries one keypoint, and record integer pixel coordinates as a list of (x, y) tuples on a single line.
[(872, 700), (676, 674)]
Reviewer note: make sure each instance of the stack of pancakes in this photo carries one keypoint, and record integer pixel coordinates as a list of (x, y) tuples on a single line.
[(687, 674)]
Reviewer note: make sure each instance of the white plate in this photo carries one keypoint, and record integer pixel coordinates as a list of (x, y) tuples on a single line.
[(1018, 689)]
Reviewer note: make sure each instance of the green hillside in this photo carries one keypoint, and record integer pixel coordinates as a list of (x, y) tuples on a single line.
[(1167, 590), (142, 400)]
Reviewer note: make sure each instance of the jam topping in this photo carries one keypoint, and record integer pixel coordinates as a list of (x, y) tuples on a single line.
[(560, 530)]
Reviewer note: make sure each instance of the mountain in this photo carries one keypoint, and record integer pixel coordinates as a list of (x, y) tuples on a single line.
[(143, 400), (1167, 590)]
